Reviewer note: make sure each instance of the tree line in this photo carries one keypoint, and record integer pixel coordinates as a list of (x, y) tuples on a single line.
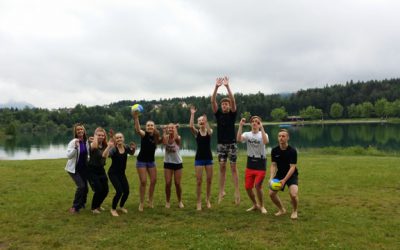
[(371, 99)]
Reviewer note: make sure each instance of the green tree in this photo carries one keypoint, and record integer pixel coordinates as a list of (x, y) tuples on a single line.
[(336, 110), (366, 109), (311, 113), (381, 108), (278, 114), (245, 115), (353, 111)]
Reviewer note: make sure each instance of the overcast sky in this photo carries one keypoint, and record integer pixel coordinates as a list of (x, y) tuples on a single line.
[(60, 53)]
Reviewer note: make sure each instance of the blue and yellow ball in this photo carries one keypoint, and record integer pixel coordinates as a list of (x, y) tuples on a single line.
[(275, 185), (137, 108)]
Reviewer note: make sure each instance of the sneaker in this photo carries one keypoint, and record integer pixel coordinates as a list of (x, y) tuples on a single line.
[(114, 212), (293, 216), (198, 207), (167, 205), (102, 209), (180, 205), (208, 204)]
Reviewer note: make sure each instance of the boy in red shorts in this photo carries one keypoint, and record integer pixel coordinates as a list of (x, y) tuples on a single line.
[(256, 160)]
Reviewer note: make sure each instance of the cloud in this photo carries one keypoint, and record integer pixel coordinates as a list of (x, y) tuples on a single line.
[(57, 54)]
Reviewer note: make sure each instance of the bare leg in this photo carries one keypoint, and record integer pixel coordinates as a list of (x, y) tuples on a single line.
[(168, 181), (260, 196), (209, 173), (235, 177), (293, 192), (222, 178), (142, 173), (199, 179), (178, 187), (252, 197), (153, 178), (275, 199)]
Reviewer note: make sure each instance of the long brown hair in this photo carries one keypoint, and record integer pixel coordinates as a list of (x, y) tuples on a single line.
[(100, 129), (84, 129)]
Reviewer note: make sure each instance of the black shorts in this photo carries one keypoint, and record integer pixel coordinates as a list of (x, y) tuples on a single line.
[(173, 166), (292, 181)]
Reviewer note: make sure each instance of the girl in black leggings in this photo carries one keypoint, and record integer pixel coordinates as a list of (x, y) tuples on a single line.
[(96, 173), (118, 152)]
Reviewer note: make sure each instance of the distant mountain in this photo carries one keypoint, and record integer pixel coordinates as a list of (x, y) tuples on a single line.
[(14, 104)]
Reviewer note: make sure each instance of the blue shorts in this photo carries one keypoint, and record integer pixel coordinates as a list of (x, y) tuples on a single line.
[(145, 164), (201, 163)]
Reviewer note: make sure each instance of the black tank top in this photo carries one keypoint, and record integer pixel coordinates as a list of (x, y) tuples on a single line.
[(203, 147), (147, 148)]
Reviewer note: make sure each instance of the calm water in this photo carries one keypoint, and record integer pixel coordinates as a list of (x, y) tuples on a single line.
[(382, 136)]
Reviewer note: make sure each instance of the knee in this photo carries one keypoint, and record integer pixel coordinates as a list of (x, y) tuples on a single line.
[(198, 182), (143, 183)]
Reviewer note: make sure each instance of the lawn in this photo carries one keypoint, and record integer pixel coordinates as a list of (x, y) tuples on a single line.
[(346, 202)]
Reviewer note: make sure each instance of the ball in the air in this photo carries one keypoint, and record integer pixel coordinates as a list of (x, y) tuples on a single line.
[(275, 185), (137, 108)]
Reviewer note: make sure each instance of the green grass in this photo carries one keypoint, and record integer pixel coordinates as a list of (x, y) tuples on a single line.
[(346, 202)]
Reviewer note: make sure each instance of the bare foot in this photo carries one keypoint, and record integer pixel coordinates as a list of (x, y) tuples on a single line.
[(280, 212), (253, 208), (140, 207), (124, 210), (237, 200), (114, 212), (293, 216), (263, 210)]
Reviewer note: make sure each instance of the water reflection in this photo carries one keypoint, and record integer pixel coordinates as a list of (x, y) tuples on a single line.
[(382, 136)]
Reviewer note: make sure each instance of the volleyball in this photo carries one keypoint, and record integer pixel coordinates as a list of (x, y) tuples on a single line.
[(137, 108), (275, 185)]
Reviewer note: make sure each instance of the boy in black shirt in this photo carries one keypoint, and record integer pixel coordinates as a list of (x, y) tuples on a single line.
[(283, 167), (227, 147)]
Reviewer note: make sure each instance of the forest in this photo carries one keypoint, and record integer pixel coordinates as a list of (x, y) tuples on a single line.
[(371, 99)]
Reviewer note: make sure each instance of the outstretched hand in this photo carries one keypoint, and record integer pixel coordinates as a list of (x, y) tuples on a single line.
[(242, 121), (225, 81), (219, 82), (193, 109)]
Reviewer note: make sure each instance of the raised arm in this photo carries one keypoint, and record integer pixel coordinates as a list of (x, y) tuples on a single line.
[(177, 137), (230, 94), (138, 130), (214, 103), (239, 136), (110, 145), (263, 134), (191, 122)]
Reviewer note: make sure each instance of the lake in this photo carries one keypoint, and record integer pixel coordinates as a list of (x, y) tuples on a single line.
[(382, 136)]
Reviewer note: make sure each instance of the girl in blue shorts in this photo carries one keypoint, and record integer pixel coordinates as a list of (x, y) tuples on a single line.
[(203, 158), (145, 163)]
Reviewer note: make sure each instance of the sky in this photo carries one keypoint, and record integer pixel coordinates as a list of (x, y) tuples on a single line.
[(56, 53)]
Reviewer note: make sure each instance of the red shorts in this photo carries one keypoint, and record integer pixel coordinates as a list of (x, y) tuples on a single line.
[(254, 178)]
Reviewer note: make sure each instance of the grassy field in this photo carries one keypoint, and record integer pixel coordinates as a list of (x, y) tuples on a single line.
[(346, 202)]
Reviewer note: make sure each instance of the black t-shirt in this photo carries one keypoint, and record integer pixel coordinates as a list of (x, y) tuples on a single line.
[(97, 161), (283, 159), (226, 127), (118, 164), (203, 147), (147, 148)]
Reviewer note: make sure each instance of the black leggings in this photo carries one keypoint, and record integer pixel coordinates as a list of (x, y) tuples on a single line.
[(81, 190), (121, 186), (99, 184)]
